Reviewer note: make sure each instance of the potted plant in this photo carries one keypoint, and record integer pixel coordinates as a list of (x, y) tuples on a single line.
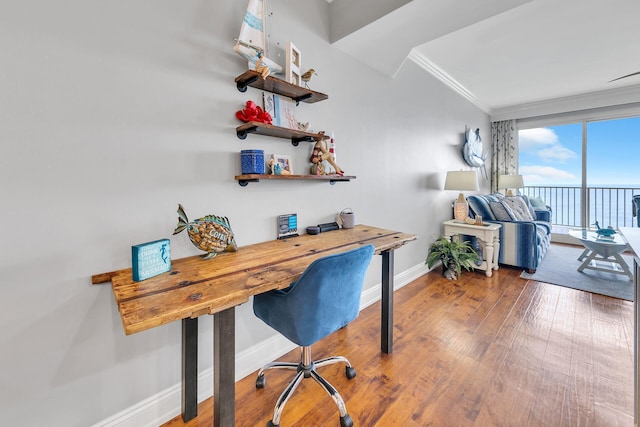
[(454, 256)]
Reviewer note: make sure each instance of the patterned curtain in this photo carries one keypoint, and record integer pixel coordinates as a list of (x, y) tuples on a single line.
[(504, 138)]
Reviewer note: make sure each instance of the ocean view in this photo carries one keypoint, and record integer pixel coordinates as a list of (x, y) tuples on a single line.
[(555, 161), (610, 205)]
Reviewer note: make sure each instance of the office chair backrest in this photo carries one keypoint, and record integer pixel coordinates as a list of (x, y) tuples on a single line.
[(324, 299)]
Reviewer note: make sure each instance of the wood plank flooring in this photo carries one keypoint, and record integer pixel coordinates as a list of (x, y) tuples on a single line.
[(499, 351)]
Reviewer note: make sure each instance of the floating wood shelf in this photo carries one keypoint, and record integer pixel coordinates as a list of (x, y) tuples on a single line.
[(272, 84), (296, 136), (244, 180)]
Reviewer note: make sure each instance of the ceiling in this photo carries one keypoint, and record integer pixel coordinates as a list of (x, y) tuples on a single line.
[(499, 53)]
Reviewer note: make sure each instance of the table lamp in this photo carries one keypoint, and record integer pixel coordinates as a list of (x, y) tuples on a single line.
[(461, 181), (508, 182)]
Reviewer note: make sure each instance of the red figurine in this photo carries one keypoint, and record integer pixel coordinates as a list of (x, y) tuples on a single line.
[(253, 113)]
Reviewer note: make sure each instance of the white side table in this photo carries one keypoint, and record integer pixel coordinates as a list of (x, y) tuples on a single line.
[(488, 233)]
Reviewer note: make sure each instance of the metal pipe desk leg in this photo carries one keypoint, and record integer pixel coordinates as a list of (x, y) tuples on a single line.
[(386, 344), (189, 369), (224, 368)]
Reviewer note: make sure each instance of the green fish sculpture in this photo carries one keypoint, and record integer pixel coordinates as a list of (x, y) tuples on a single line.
[(211, 233)]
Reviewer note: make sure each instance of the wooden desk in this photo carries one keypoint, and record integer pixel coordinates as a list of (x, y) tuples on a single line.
[(195, 287)]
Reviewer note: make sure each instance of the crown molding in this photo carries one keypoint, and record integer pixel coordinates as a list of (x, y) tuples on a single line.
[(445, 78), (617, 97)]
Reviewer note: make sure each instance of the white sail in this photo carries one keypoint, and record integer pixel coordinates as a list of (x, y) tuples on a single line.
[(251, 41)]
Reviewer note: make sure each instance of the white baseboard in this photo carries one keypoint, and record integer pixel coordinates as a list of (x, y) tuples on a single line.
[(166, 405)]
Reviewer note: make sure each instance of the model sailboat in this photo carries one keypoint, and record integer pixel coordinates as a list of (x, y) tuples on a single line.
[(251, 43)]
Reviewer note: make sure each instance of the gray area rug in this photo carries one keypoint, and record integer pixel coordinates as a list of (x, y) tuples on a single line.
[(560, 267)]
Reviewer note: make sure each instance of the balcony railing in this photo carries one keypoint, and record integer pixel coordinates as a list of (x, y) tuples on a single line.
[(610, 206)]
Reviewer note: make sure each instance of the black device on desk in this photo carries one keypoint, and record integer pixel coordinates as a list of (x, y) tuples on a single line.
[(328, 226)]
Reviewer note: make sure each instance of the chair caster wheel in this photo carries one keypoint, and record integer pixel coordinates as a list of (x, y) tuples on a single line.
[(346, 421), (271, 424), (260, 382), (350, 372)]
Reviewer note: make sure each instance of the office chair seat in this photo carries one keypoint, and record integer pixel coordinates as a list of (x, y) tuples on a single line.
[(324, 299)]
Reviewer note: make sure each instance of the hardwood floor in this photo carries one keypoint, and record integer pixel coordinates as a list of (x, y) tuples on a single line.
[(499, 351)]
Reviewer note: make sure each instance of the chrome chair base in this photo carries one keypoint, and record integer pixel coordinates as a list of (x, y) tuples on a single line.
[(306, 368)]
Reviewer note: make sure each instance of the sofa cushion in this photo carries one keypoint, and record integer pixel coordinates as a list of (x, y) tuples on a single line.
[(541, 235), (532, 210), (479, 205), (501, 211), (518, 207)]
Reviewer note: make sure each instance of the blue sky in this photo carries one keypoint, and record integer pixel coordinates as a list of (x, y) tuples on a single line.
[(553, 155)]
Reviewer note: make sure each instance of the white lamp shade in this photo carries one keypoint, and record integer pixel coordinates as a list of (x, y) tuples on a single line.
[(510, 181), (461, 181)]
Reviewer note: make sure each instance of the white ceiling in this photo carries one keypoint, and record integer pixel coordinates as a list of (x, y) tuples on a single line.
[(501, 53)]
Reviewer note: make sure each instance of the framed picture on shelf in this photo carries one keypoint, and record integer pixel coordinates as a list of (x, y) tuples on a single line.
[(269, 106), (281, 109), (293, 64), (281, 165), (286, 112)]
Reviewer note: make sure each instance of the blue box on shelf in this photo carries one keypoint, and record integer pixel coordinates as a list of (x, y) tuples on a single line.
[(252, 161), (150, 259)]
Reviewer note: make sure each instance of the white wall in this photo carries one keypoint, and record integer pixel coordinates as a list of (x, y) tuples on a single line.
[(114, 112)]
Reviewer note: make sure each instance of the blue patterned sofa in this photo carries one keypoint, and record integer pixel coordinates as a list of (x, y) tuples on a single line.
[(525, 234)]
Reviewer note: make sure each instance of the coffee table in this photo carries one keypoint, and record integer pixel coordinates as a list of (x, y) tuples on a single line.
[(600, 248)]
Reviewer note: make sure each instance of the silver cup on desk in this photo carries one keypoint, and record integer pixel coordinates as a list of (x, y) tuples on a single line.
[(347, 218)]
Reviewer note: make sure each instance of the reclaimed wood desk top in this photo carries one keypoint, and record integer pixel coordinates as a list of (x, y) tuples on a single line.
[(195, 287)]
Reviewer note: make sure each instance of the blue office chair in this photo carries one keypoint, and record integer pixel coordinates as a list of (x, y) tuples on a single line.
[(324, 299)]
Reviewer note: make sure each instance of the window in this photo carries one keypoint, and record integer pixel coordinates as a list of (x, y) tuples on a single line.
[(585, 171)]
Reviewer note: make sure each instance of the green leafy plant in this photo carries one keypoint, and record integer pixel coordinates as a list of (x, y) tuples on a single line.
[(454, 256)]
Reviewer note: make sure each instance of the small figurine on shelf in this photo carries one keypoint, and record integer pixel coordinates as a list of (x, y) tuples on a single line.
[(261, 68), (321, 153), (307, 76), (317, 169), (253, 113), (277, 169)]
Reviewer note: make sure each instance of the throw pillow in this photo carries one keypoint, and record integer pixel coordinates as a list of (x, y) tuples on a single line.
[(518, 207), (532, 211), (538, 203), (501, 212)]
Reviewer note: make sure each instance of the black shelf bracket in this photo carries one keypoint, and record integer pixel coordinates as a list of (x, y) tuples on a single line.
[(333, 181), (245, 182), (297, 140), (302, 98), (242, 134), (242, 85)]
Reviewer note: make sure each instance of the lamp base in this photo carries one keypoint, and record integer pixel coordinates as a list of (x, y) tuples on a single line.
[(460, 210)]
